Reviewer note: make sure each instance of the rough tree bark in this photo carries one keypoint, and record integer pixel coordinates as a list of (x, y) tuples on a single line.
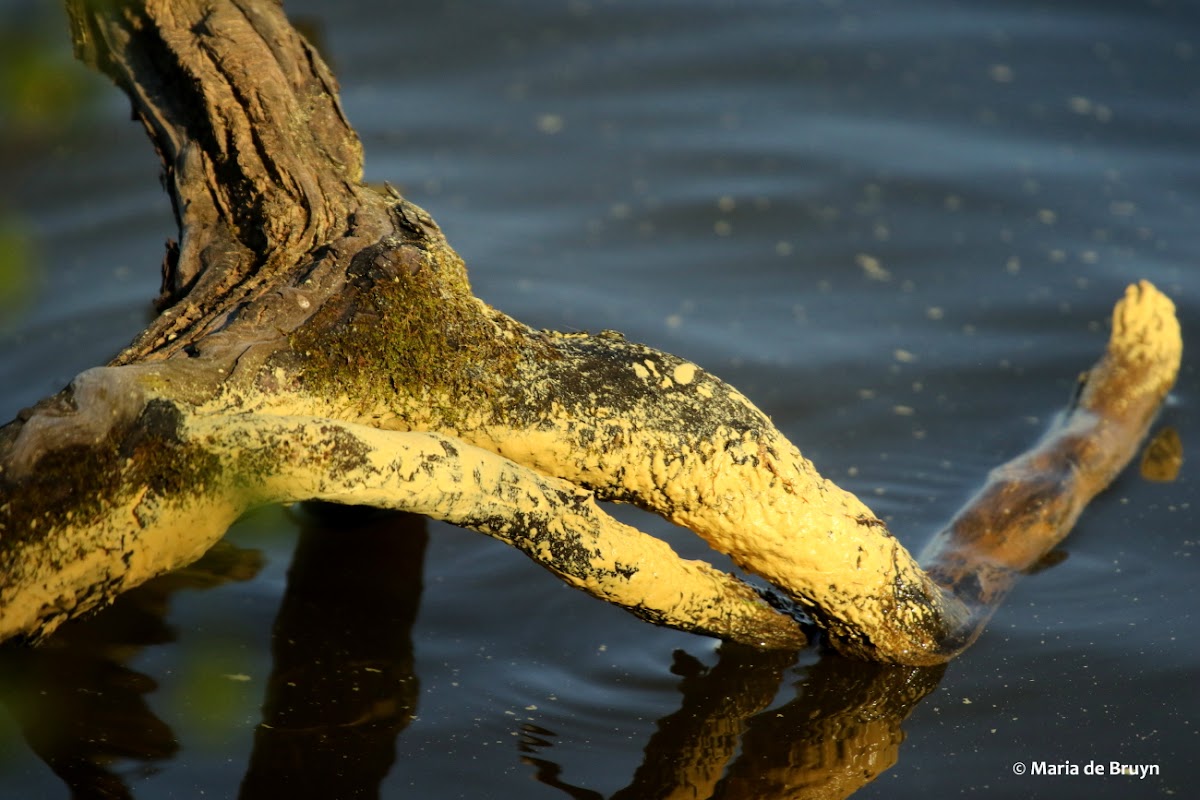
[(319, 339)]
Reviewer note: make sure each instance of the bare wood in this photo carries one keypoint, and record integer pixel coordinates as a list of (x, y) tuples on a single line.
[(258, 157)]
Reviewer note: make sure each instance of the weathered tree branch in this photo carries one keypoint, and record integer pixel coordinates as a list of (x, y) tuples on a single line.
[(1030, 504), (319, 340), (258, 158)]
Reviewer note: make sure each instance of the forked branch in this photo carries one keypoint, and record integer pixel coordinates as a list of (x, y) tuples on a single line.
[(319, 340)]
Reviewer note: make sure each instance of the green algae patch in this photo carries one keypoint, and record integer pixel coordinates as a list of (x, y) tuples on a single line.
[(77, 485), (406, 327)]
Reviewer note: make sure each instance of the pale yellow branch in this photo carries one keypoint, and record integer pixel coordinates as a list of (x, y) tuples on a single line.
[(232, 462), (639, 425), (686, 446), (555, 523)]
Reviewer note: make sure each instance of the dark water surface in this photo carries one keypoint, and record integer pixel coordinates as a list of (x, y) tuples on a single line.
[(898, 227)]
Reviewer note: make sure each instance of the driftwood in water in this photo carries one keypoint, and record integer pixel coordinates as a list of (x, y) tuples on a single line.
[(319, 340)]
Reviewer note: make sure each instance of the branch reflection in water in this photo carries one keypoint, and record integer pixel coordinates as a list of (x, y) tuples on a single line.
[(840, 732), (342, 685), (343, 688), (76, 700)]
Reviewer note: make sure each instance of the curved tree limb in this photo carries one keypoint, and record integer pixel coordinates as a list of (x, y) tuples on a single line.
[(1030, 504), (319, 340)]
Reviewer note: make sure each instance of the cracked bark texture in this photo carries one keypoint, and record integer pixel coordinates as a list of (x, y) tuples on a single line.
[(319, 340)]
